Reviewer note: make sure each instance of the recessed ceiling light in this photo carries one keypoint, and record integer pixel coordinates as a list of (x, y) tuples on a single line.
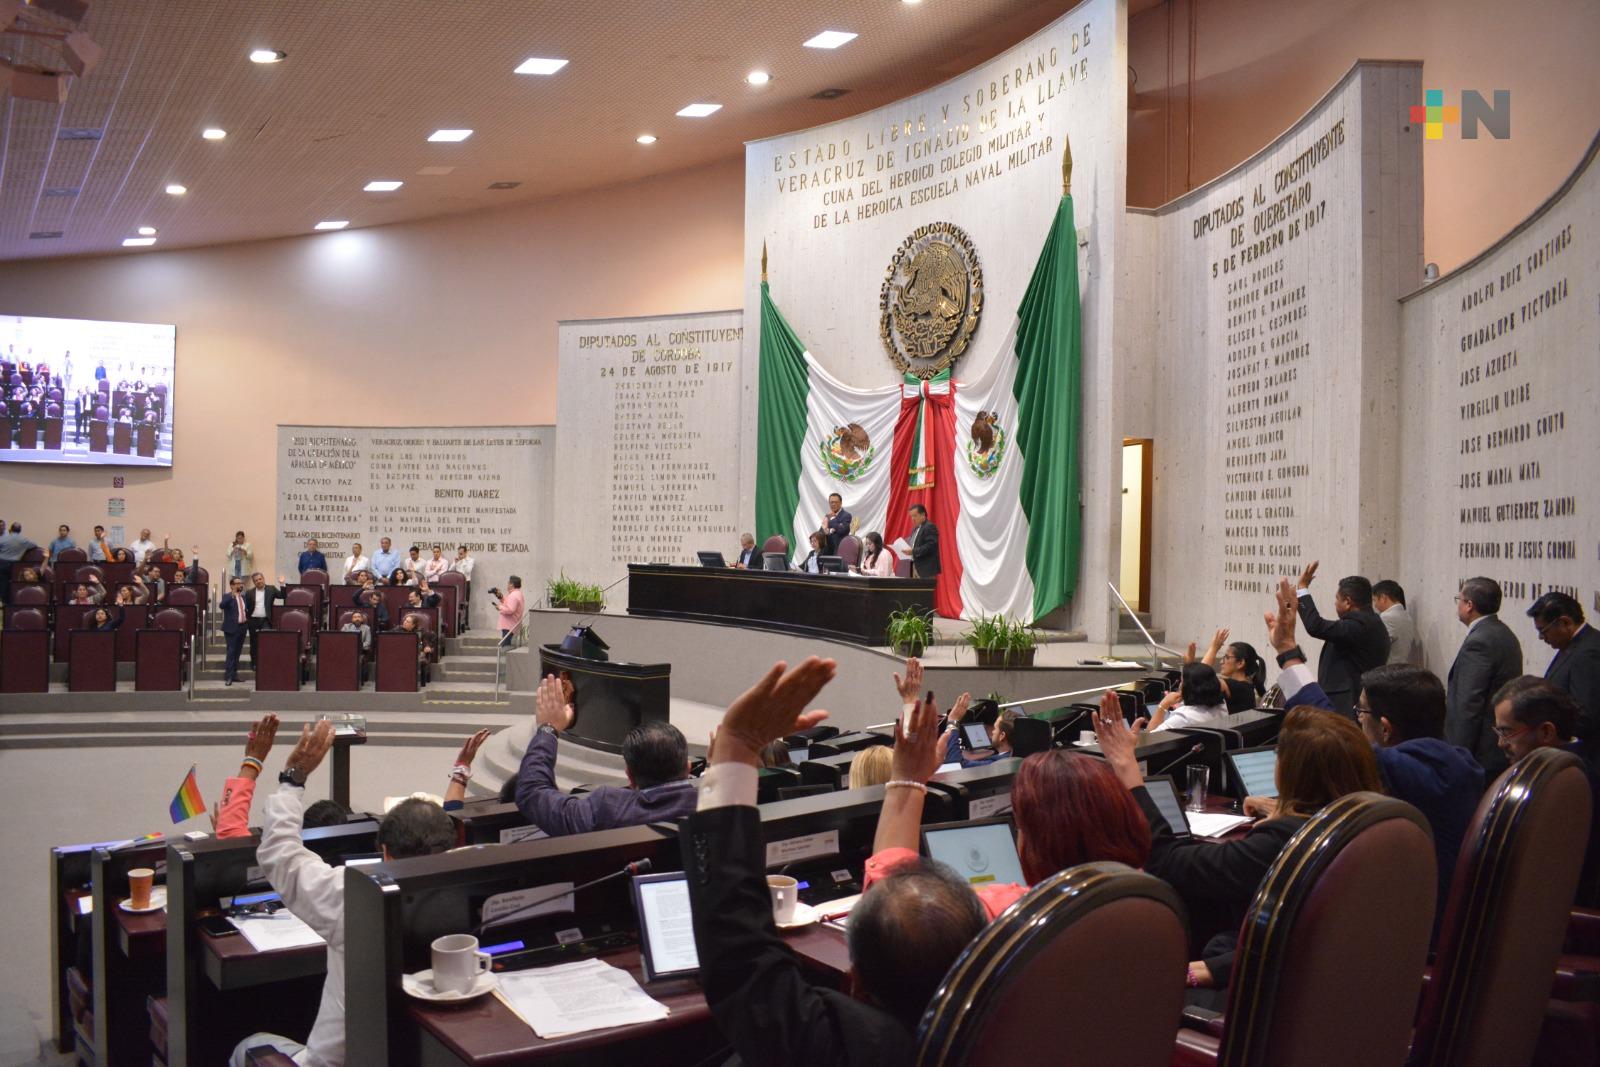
[(535, 65), (758, 77), (698, 111), (267, 55), (830, 39), (137, 242), (646, 138), (333, 224), (382, 187), (176, 190), (147, 231), (213, 133), (449, 135), (911, 1)]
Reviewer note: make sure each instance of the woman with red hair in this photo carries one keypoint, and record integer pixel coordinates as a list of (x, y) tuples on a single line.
[(1069, 809)]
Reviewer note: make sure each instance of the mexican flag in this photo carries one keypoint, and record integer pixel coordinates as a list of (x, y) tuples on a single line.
[(993, 459)]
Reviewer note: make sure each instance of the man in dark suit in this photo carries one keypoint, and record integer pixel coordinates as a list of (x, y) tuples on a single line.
[(235, 627), (748, 558), (258, 601), (924, 541), (654, 753), (1489, 657), (1558, 619), (835, 524), (904, 933), (1352, 644)]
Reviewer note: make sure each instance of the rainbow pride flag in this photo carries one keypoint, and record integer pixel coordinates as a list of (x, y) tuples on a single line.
[(186, 804)]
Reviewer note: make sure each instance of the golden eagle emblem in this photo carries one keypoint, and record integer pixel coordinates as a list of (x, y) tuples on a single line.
[(931, 299)]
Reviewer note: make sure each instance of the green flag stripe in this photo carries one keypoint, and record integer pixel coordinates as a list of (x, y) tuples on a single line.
[(781, 423), (1049, 394)]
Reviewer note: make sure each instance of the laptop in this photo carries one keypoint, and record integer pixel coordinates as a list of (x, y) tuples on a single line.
[(711, 559), (983, 851), (1169, 802), (1255, 770), (666, 925), (831, 565), (775, 561), (975, 735)]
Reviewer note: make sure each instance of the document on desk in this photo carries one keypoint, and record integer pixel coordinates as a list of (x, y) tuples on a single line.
[(1213, 823), (573, 998), (280, 930)]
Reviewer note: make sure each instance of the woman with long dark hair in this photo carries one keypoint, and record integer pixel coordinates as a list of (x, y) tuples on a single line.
[(1240, 667)]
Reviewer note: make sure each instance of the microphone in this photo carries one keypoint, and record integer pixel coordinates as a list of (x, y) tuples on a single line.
[(1196, 750), (634, 868)]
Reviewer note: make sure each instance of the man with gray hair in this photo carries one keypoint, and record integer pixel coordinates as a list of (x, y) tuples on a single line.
[(1490, 656)]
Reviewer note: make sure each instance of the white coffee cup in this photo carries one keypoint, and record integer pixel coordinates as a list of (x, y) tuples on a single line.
[(457, 962), (785, 895)]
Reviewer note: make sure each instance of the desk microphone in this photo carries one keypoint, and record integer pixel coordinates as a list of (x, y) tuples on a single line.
[(634, 868), (1196, 750)]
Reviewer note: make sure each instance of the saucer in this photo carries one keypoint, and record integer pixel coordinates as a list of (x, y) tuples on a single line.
[(158, 900), (420, 985), (804, 915)]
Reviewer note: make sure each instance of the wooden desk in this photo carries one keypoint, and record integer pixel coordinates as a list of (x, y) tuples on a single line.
[(845, 606), (485, 1032), (232, 962), (141, 936)]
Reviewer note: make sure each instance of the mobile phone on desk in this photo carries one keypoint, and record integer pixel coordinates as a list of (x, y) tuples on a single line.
[(216, 926)]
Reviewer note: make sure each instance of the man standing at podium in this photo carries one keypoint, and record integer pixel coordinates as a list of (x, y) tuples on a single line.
[(836, 524), (924, 541)]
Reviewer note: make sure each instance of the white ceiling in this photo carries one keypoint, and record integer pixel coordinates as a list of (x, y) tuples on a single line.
[(366, 81)]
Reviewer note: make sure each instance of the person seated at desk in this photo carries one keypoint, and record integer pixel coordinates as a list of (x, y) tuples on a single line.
[(127, 597), (903, 935), (748, 559), (102, 619), (412, 624), (1321, 758), (1069, 809), (1198, 701), (152, 587), (355, 565), (1240, 668), (311, 559), (26, 576), (358, 625), (872, 766), (313, 891), (401, 576), (654, 753), (877, 560), (818, 548), (89, 592), (999, 733), (372, 602), (423, 595)]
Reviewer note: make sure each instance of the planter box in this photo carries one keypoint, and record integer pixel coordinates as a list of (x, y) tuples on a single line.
[(913, 651), (998, 657), (590, 606)]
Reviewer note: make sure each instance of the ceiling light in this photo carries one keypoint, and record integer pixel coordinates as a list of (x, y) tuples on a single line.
[(535, 65), (333, 224), (646, 138), (698, 111), (911, 1), (137, 242), (382, 187), (147, 231), (212, 133), (449, 135), (758, 77), (830, 39), (268, 55), (176, 190)]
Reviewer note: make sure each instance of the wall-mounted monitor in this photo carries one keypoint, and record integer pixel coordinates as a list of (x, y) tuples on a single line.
[(85, 391)]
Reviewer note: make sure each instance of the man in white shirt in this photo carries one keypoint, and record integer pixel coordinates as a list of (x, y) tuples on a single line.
[(355, 563), (436, 565), (1389, 600), (142, 547), (313, 892), (413, 562), (463, 563)]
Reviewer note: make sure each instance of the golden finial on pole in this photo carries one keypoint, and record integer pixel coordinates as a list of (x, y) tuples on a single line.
[(763, 261), (1066, 166)]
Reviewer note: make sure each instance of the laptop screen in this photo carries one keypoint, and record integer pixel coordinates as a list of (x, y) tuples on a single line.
[(666, 925), (984, 853), (711, 559), (1165, 794), (976, 734), (1257, 770)]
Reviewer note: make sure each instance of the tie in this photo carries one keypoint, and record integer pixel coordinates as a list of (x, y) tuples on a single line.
[(239, 600)]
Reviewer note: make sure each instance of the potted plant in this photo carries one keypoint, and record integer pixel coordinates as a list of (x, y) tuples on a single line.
[(910, 631), (557, 591), (587, 598), (987, 636), (1021, 643)]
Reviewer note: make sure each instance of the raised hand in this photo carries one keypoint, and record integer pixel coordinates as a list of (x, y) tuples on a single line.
[(469, 748), (1189, 656), (910, 688), (1280, 623), (1119, 741), (1308, 574), (259, 743), (959, 711), (918, 754), (772, 708), (313, 745), (550, 705)]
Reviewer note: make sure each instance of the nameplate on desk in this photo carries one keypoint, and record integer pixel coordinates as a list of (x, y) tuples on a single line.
[(802, 848), (517, 899), (521, 833), (983, 807)]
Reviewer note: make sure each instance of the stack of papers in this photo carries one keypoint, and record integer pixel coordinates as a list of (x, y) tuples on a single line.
[(574, 998), (1213, 823), (280, 930)]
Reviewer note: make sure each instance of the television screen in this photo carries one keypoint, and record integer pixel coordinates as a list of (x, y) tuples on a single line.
[(81, 391)]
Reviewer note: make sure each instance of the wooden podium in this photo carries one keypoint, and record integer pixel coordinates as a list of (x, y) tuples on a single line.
[(610, 698)]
